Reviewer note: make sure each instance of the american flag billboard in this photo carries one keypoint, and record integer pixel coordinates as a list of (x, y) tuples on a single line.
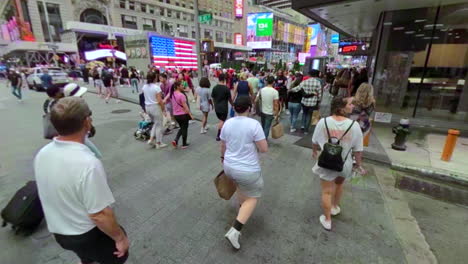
[(173, 53)]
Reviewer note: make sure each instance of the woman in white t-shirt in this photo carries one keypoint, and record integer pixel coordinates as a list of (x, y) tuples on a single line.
[(351, 141), (155, 109), (241, 140)]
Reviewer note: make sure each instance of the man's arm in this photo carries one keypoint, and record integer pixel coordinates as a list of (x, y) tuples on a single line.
[(297, 88), (276, 107), (106, 222)]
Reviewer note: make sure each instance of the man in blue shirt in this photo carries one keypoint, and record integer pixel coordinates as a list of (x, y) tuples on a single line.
[(46, 79)]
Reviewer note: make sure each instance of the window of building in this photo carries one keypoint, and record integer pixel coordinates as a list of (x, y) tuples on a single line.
[(183, 30), (129, 22), (149, 24), (131, 5), (228, 37), (161, 11), (183, 4), (123, 4), (177, 3), (208, 34), (177, 14), (219, 36), (55, 26), (169, 13), (151, 9), (167, 28), (143, 7), (191, 6), (168, 1), (194, 33), (192, 18)]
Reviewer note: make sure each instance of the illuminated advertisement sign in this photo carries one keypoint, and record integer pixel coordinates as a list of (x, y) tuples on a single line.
[(238, 39), (259, 30), (352, 48), (239, 8), (335, 38), (314, 33), (301, 57), (103, 53), (173, 53)]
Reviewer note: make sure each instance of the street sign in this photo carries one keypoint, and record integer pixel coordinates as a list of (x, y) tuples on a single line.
[(205, 17)]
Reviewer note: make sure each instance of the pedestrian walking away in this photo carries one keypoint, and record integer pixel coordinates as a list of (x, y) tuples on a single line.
[(338, 130), (46, 79), (203, 93), (98, 82), (269, 99), (294, 103), (241, 139), (364, 105), (156, 110), (182, 113), (77, 203), (15, 83), (134, 79), (311, 93), (221, 98)]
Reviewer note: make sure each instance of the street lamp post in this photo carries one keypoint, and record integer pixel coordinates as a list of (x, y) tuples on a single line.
[(46, 14), (197, 35)]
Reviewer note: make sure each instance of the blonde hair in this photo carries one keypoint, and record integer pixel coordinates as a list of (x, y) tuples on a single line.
[(244, 76), (365, 95)]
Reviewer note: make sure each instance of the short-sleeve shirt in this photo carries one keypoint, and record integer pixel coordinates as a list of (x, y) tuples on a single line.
[(268, 95), (150, 91), (352, 142), (253, 81), (178, 99), (14, 78), (221, 95), (240, 134), (46, 80), (204, 95), (72, 184)]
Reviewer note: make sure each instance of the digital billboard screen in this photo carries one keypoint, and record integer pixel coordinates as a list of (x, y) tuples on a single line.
[(259, 30)]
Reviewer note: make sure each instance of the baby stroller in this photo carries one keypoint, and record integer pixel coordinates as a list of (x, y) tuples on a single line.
[(144, 128)]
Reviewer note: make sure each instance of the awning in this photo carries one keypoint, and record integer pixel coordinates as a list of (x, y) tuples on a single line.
[(39, 46), (100, 29)]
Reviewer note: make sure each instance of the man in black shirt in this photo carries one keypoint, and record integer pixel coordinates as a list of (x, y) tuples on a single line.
[(221, 96), (15, 83)]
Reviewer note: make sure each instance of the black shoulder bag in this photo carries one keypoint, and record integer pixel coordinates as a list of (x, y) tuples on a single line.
[(331, 158)]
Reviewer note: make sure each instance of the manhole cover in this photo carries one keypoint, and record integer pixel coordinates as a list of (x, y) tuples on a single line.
[(121, 111)]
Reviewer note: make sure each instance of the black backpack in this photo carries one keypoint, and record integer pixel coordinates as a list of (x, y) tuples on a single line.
[(331, 157)]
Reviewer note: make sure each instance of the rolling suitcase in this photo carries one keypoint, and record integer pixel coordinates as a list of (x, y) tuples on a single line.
[(24, 210)]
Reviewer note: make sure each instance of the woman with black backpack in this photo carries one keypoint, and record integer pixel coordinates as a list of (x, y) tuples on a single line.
[(339, 139)]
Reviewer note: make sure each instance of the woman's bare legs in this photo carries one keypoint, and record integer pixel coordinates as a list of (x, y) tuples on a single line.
[(338, 191), (247, 207), (327, 195)]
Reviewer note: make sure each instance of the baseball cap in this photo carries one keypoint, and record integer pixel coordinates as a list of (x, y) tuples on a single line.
[(73, 89)]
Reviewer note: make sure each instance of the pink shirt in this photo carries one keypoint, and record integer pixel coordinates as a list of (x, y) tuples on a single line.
[(178, 100)]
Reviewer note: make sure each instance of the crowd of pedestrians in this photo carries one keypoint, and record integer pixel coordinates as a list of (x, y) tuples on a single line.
[(77, 204)]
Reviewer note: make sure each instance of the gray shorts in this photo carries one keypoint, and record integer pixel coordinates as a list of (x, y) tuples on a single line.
[(249, 183)]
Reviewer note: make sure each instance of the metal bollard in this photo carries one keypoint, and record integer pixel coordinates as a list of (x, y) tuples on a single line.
[(450, 143)]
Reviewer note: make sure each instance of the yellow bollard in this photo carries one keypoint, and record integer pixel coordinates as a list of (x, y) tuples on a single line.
[(450, 143)]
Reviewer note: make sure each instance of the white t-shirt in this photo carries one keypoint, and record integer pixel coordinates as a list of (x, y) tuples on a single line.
[(352, 140), (268, 95), (240, 134), (72, 184), (150, 91)]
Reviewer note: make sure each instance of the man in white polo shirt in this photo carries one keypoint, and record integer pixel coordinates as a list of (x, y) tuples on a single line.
[(73, 189)]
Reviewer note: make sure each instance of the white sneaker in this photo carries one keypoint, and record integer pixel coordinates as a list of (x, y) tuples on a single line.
[(287, 112), (335, 211), (292, 130), (118, 101), (191, 121), (193, 101), (233, 237), (203, 131), (161, 145), (326, 224)]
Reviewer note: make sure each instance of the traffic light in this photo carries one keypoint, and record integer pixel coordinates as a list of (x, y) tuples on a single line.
[(207, 46)]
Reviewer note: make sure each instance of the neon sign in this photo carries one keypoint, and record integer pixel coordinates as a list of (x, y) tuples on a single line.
[(352, 48), (238, 39), (239, 8)]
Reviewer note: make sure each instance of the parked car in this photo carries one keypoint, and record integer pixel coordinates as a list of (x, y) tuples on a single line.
[(59, 77)]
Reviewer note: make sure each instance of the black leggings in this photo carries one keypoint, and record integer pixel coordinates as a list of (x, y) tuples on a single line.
[(183, 121)]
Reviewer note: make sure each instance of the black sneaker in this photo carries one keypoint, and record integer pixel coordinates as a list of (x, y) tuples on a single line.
[(218, 139)]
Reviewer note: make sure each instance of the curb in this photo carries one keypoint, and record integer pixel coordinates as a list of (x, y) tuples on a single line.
[(446, 177)]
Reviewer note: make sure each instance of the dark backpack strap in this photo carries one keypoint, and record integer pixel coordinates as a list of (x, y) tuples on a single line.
[(347, 130), (326, 126)]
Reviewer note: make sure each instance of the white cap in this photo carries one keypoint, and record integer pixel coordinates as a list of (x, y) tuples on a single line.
[(73, 89)]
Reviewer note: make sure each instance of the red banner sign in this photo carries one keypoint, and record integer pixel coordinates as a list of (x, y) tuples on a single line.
[(238, 39), (239, 8)]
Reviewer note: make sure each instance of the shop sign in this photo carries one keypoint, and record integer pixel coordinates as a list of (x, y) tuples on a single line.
[(238, 39), (352, 48), (239, 8), (383, 117)]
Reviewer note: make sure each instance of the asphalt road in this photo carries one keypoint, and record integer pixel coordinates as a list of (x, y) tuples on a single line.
[(167, 202)]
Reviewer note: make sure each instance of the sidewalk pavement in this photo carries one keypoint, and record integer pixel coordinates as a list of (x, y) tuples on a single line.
[(423, 154)]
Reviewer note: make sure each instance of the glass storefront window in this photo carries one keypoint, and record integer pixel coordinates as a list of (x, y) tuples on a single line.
[(421, 67), (54, 25)]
